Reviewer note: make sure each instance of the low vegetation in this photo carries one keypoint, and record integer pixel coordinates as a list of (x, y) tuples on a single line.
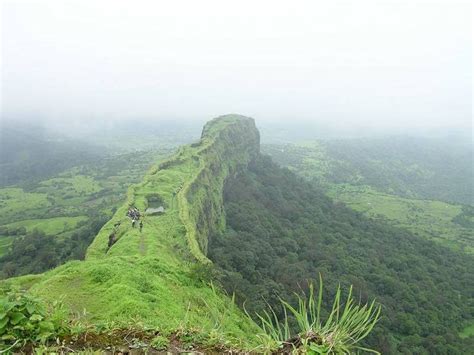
[(27, 324), (341, 333), (445, 223), (25, 321)]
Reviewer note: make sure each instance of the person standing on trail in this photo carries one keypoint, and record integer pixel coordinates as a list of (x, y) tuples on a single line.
[(141, 225)]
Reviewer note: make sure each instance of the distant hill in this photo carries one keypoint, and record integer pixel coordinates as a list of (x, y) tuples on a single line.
[(28, 154), (439, 169)]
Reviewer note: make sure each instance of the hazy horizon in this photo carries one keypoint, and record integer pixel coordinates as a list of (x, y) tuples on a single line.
[(371, 67)]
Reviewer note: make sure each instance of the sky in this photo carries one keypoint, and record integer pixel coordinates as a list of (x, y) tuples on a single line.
[(366, 64)]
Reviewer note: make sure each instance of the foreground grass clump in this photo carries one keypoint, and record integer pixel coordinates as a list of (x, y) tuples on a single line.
[(24, 320), (341, 333), (29, 324)]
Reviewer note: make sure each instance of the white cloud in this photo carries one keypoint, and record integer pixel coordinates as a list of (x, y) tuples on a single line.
[(360, 62)]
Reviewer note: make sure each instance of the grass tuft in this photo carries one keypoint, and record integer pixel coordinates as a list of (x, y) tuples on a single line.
[(342, 331)]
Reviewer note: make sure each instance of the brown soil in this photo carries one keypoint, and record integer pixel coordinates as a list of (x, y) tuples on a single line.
[(128, 342)]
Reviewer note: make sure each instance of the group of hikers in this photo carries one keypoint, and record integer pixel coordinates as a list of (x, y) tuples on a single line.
[(135, 215)]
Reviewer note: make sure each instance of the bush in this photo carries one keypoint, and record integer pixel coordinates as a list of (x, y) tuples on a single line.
[(23, 320), (205, 273)]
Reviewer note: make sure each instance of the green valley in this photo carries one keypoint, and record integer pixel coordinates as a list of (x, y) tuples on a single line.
[(223, 234), (276, 178), (391, 187)]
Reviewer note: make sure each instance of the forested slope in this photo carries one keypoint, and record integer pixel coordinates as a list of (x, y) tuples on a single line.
[(423, 185), (282, 231)]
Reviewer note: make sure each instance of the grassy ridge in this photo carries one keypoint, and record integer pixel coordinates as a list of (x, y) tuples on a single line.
[(148, 276), (90, 192)]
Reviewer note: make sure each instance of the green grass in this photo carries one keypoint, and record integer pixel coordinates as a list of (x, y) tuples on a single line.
[(427, 218), (16, 202), (50, 226), (73, 185), (467, 331), (148, 277)]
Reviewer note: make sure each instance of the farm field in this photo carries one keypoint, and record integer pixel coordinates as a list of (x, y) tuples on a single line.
[(50, 226), (17, 204), (71, 203), (434, 220)]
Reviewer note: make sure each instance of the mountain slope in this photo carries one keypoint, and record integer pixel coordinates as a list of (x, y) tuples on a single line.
[(149, 276), (282, 231)]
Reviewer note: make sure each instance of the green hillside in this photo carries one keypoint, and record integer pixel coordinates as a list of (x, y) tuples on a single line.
[(149, 277), (418, 184), (283, 231)]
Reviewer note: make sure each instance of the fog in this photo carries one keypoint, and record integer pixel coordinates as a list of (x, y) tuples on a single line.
[(376, 66)]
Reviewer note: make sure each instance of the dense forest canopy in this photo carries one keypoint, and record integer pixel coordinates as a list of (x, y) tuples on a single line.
[(282, 231)]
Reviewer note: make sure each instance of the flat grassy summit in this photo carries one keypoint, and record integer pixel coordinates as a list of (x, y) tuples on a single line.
[(148, 276)]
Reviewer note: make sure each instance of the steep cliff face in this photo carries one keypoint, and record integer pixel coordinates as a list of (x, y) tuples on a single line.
[(190, 186), (228, 144), (148, 275)]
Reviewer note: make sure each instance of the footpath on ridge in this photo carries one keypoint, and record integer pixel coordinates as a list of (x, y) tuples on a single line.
[(148, 276)]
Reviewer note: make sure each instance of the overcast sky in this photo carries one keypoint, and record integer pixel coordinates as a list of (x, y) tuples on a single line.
[(367, 63)]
